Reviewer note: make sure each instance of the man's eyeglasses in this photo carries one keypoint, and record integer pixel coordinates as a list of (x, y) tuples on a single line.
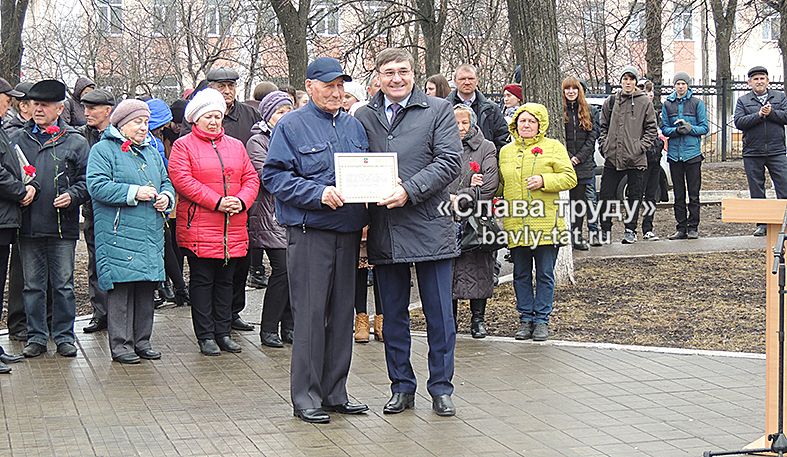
[(388, 74)]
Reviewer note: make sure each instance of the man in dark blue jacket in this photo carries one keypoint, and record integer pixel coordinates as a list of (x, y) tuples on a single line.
[(50, 224), (408, 227), (762, 114), (323, 236)]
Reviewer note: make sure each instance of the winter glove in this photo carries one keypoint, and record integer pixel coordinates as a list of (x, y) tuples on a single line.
[(684, 128)]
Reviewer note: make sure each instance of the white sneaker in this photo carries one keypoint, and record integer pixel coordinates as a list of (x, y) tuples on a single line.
[(650, 236)]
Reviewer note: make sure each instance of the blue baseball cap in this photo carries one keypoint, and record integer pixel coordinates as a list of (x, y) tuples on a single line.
[(326, 69)]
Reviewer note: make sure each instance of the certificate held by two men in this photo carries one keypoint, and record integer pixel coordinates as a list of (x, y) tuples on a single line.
[(366, 177)]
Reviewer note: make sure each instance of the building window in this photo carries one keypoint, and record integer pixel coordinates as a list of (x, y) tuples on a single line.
[(164, 19), (770, 28), (593, 19), (326, 19), (379, 22), (110, 17), (215, 18), (683, 28), (637, 24)]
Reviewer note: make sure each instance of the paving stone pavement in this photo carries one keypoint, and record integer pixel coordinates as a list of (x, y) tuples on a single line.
[(512, 398)]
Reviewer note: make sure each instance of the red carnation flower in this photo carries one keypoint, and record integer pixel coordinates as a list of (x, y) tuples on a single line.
[(52, 130), (125, 146), (536, 150), (30, 170), (475, 167)]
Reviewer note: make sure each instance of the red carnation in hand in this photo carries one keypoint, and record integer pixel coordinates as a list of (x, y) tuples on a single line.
[(52, 130), (475, 167), (125, 146), (536, 150), (30, 170)]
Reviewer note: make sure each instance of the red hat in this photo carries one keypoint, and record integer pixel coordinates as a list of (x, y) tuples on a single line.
[(515, 89)]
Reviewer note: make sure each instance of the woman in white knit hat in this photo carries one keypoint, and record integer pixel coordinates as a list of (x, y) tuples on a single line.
[(216, 184)]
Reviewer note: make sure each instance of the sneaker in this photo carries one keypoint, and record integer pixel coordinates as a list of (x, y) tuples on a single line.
[(525, 331), (540, 332), (33, 350), (629, 237), (650, 236), (67, 349), (678, 235), (692, 235), (761, 231)]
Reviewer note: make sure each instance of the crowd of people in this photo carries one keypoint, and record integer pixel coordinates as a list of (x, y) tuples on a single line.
[(221, 183)]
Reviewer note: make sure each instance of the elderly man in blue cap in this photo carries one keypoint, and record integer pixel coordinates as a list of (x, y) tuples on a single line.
[(323, 235)]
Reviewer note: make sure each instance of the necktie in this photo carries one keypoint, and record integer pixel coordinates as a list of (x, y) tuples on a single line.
[(395, 107)]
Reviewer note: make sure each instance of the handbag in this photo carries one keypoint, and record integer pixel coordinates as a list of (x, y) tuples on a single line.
[(477, 231)]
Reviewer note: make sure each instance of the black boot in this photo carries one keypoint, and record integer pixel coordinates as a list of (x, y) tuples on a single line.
[(477, 327), (167, 291)]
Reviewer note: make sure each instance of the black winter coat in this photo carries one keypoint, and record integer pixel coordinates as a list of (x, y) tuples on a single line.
[(93, 136), (581, 143), (11, 188), (264, 230), (490, 119), (64, 156), (426, 138), (762, 136)]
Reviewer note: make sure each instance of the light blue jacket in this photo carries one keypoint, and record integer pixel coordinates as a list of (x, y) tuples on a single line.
[(129, 233), (692, 110)]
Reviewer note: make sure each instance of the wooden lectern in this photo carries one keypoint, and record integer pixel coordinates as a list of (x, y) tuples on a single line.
[(769, 212)]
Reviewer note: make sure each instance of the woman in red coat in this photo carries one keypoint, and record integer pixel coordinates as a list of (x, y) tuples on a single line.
[(216, 184)]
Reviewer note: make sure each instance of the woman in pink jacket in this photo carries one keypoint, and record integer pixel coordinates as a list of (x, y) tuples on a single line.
[(216, 184)]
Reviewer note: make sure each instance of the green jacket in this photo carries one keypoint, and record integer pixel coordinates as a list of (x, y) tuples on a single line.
[(521, 159)]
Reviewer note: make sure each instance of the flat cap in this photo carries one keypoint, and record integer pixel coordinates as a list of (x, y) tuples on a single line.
[(222, 74), (98, 97), (48, 90), (758, 70), (6, 88)]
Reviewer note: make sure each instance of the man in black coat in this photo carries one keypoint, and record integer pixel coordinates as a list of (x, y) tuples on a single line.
[(238, 121), (762, 114), (408, 227), (50, 224), (490, 118)]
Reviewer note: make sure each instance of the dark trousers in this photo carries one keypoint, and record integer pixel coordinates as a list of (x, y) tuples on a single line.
[(173, 268), (755, 174), (610, 179), (210, 288), (578, 193), (130, 317), (650, 192), (179, 254), (321, 267), (17, 321), (98, 297), (255, 261), (686, 177), (239, 285), (434, 286), (361, 292), (276, 304)]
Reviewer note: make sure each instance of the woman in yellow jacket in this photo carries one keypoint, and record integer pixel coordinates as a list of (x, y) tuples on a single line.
[(533, 170)]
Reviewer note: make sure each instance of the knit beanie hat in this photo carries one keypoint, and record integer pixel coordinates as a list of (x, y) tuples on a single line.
[(178, 107), (681, 76), (160, 115), (204, 101), (630, 69), (271, 102), (515, 89), (128, 110)]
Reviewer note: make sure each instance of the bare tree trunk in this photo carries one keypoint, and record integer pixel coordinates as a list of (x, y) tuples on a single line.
[(12, 20), (783, 39), (724, 21), (654, 55), (293, 24), (432, 28), (541, 81)]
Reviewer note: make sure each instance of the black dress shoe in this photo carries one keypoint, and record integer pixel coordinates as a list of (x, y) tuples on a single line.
[(287, 336), (678, 235), (227, 344), (443, 405), (18, 336), (11, 358), (208, 347), (4, 368), (67, 349), (240, 324), (149, 354), (271, 339), (312, 415), (346, 408), (96, 325), (127, 359), (399, 402), (33, 350)]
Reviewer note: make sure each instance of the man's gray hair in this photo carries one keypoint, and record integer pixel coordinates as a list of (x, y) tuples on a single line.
[(466, 67), (389, 55)]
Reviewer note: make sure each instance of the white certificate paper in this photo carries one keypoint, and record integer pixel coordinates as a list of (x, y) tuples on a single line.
[(366, 177)]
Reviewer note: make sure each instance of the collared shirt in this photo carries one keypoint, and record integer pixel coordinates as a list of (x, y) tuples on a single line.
[(762, 98), (388, 103), (469, 101)]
